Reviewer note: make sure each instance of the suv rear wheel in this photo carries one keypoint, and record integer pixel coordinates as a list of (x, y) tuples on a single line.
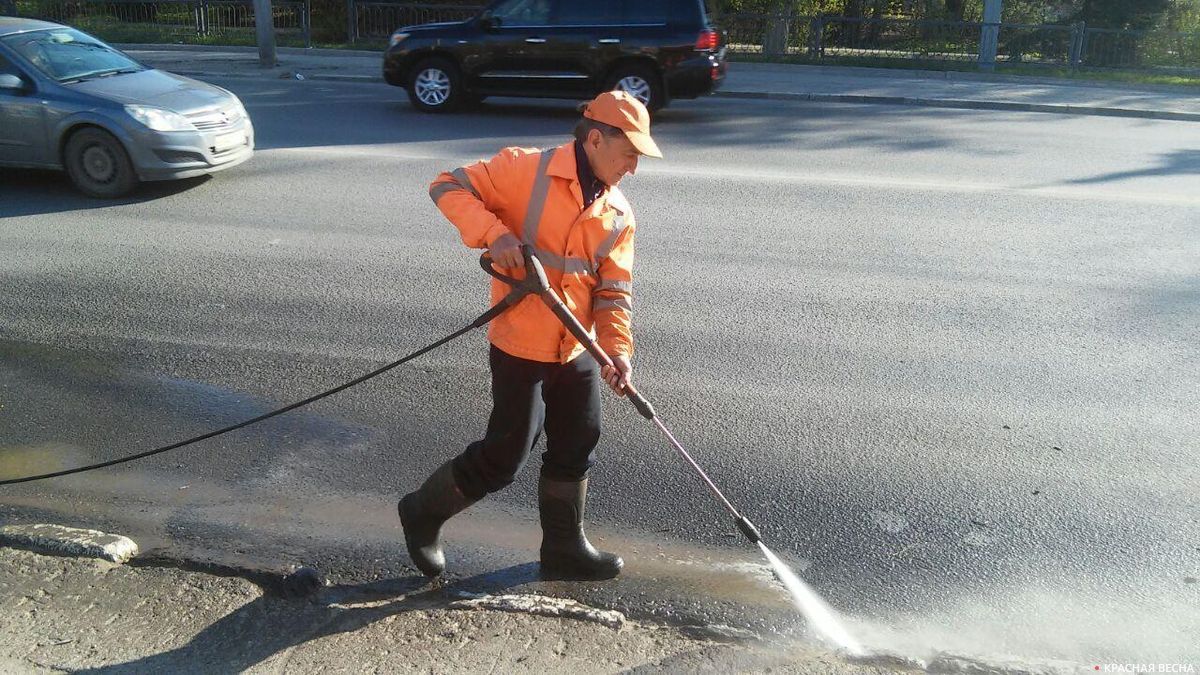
[(98, 164), (640, 82), (436, 85)]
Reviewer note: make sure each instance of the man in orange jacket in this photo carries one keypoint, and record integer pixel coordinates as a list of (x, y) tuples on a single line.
[(564, 202)]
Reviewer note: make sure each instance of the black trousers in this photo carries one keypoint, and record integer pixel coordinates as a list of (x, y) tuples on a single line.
[(528, 396)]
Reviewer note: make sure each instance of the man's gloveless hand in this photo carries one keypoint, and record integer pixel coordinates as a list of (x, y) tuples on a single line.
[(506, 252), (619, 376)]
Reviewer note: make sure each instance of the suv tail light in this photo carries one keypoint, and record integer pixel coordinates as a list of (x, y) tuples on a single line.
[(708, 40)]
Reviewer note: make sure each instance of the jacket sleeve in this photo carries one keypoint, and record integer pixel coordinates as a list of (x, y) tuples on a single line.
[(471, 196), (612, 298)]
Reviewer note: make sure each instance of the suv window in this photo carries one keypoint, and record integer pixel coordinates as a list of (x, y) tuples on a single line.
[(645, 11), (522, 12), (573, 13)]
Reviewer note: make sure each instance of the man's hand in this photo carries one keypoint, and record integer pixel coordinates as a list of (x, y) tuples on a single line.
[(619, 376), (506, 252)]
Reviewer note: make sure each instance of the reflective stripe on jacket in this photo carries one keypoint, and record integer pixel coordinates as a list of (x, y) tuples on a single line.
[(587, 253)]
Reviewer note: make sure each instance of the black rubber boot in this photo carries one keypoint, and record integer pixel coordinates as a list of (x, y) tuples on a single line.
[(422, 513), (566, 552)]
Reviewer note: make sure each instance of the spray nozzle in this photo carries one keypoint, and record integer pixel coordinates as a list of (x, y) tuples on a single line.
[(748, 529)]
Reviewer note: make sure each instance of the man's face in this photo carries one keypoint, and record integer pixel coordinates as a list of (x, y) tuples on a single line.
[(611, 157)]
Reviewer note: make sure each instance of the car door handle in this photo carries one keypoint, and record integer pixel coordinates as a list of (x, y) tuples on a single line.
[(535, 41), (609, 41)]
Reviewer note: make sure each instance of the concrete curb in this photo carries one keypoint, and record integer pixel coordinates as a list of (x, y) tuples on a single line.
[(69, 541)]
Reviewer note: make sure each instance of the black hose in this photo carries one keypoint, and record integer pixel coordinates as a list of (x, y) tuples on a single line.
[(487, 316)]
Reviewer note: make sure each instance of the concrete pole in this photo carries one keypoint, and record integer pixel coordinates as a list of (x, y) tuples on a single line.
[(264, 29), (989, 35)]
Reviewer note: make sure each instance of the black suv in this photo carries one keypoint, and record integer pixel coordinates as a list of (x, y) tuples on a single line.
[(656, 50)]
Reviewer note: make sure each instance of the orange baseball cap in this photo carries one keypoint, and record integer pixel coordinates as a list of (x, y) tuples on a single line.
[(620, 110)]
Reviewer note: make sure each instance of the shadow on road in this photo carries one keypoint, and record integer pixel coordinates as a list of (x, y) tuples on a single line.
[(269, 625), (27, 192), (1174, 163)]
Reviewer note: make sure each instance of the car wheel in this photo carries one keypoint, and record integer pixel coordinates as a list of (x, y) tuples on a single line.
[(436, 86), (640, 82), (98, 164)]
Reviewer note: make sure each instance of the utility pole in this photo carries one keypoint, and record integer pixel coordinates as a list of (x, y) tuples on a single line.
[(264, 30), (989, 35)]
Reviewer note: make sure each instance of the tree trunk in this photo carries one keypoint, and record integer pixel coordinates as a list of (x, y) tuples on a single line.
[(876, 28), (852, 31)]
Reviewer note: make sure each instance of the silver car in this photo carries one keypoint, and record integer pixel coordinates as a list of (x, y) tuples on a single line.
[(69, 101)]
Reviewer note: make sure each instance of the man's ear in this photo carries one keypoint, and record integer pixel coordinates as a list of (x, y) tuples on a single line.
[(593, 137)]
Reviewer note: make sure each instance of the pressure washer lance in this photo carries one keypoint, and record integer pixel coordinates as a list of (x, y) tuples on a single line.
[(535, 282)]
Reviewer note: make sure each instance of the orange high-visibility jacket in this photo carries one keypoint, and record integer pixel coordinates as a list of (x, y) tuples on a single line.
[(587, 253)]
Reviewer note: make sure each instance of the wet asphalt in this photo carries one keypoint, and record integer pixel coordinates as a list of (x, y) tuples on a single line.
[(945, 360)]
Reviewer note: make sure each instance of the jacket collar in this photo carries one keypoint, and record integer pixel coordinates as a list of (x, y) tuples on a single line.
[(562, 165)]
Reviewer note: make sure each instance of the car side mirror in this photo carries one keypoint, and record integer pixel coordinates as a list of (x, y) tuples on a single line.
[(489, 22), (9, 82)]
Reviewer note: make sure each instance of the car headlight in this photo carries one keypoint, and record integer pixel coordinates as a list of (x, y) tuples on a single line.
[(397, 38), (159, 119), (240, 108)]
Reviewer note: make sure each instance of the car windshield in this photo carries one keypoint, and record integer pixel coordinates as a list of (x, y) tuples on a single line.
[(68, 55)]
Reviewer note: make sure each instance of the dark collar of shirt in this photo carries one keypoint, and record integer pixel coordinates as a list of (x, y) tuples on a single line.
[(589, 185)]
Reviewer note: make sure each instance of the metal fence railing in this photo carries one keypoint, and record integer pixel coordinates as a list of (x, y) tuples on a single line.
[(859, 40), (1037, 44), (375, 21), (770, 34), (226, 22), (896, 39), (1126, 49)]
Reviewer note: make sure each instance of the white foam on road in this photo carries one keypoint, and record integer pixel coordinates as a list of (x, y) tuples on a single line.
[(541, 605)]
